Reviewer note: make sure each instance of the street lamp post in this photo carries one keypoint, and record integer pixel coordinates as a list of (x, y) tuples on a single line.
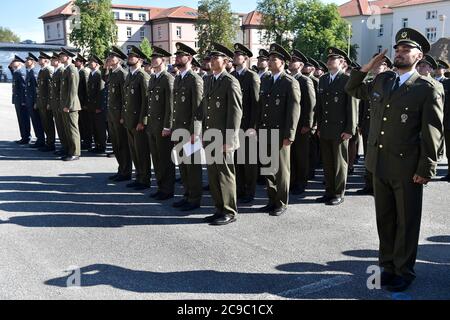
[(349, 38)]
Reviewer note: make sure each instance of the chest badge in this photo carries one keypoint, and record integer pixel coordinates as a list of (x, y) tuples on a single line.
[(183, 99), (277, 102), (132, 91), (157, 97), (404, 118), (113, 90), (336, 99), (218, 104)]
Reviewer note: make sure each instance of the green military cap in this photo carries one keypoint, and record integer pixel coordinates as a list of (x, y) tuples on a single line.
[(18, 59), (159, 52), (117, 52), (263, 54), (195, 63), (312, 63), (207, 56), (335, 52), (32, 57), (219, 50), (388, 61), (55, 55), (322, 66), (94, 58), (442, 64), (355, 65), (80, 58), (413, 38), (145, 62), (298, 55), (43, 55), (183, 49), (276, 49), (66, 52), (241, 49), (430, 61), (135, 51)]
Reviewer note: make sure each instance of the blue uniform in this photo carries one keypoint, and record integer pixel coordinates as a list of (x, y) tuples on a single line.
[(30, 100), (23, 117)]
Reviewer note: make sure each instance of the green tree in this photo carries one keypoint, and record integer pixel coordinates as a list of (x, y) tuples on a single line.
[(6, 35), (278, 19), (146, 47), (215, 23), (317, 25), (96, 31)]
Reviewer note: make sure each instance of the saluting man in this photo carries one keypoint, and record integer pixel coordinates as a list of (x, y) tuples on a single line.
[(135, 91), (405, 135), (300, 148), (246, 173), (280, 111), (222, 110), (188, 95), (337, 118), (158, 120), (19, 86), (70, 105), (83, 121)]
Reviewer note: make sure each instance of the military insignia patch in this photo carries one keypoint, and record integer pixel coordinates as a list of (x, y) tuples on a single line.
[(113, 90), (236, 46), (183, 99), (157, 98), (277, 102), (272, 48), (178, 47), (336, 99), (330, 51), (218, 104), (404, 118), (404, 35), (132, 91)]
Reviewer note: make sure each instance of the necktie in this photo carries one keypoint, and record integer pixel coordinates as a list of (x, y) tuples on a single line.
[(331, 80), (396, 84)]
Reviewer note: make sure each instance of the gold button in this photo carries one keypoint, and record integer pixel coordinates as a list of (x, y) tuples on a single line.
[(387, 106), (381, 146), (382, 133), (384, 119)]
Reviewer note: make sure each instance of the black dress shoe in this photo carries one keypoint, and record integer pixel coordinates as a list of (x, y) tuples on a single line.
[(189, 207), (47, 148), (365, 191), (446, 178), (206, 188), (141, 187), (267, 208), (71, 158), (133, 184), (223, 220), (261, 181), (114, 177), (23, 142), (164, 196), (246, 199), (398, 284), (297, 190), (179, 204), (60, 153), (386, 278), (37, 145), (110, 155), (122, 178), (335, 201), (323, 199), (155, 194), (278, 211), (212, 218)]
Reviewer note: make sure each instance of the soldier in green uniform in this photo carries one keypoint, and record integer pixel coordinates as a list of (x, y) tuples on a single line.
[(70, 105), (439, 74), (83, 121), (158, 116), (95, 114), (320, 70), (135, 93), (222, 110), (187, 96), (280, 113), (364, 122), (246, 172), (405, 135), (337, 119), (116, 102), (300, 148), (44, 83), (263, 64), (55, 103)]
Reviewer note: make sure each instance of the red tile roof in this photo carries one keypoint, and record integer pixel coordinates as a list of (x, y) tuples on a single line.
[(65, 9), (415, 2), (180, 12), (253, 18), (366, 8)]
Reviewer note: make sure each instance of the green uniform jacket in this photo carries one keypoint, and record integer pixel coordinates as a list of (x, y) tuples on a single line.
[(250, 86), (94, 91), (280, 106), (135, 93), (337, 112), (405, 126), (222, 107), (188, 95), (308, 100), (446, 85), (69, 89), (158, 113), (82, 87), (44, 87), (55, 92), (116, 98)]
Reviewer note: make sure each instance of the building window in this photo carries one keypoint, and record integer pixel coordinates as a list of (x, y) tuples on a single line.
[(159, 33), (128, 16), (116, 15), (129, 32), (48, 32), (179, 32), (58, 29), (379, 48), (405, 22), (142, 33), (381, 30), (142, 17), (431, 34), (431, 14)]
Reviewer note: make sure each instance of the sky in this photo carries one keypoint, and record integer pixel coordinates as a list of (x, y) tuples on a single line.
[(26, 25)]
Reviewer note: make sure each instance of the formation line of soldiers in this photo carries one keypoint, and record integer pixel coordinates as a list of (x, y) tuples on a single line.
[(316, 110)]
